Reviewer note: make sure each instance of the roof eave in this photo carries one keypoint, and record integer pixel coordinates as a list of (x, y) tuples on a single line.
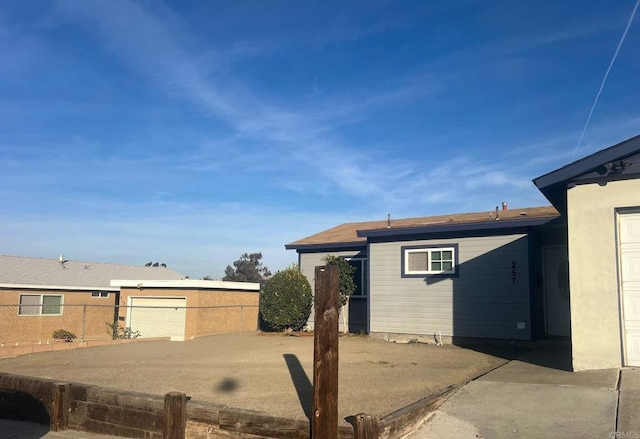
[(452, 228), (586, 164), (14, 286), (186, 283), (327, 246)]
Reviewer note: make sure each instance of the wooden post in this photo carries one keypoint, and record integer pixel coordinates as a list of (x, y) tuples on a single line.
[(365, 427), (324, 424), (175, 415), (60, 404), (84, 321)]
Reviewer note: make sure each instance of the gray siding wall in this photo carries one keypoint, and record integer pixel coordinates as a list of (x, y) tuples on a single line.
[(482, 302), (308, 264)]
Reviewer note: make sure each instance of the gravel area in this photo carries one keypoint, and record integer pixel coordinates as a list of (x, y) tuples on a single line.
[(268, 373)]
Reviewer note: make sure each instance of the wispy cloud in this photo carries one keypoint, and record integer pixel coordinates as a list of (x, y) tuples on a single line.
[(151, 48), (554, 150), (286, 33), (188, 114), (462, 184), (298, 136), (150, 231)]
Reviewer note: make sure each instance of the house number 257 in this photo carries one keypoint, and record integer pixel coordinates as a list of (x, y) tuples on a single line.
[(514, 272)]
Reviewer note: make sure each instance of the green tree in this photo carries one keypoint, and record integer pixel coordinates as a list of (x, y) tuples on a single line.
[(286, 299), (346, 281), (248, 268)]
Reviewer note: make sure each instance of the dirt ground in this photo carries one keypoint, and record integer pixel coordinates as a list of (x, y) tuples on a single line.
[(272, 374)]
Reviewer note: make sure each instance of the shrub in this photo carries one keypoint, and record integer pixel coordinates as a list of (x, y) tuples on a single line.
[(62, 334), (118, 332), (345, 277), (286, 299)]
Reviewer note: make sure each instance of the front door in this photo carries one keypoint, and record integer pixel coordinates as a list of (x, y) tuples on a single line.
[(630, 283), (556, 287)]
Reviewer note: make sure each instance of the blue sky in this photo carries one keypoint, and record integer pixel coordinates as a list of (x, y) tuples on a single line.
[(192, 132)]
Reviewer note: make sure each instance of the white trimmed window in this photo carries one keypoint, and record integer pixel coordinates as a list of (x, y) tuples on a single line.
[(431, 260), (99, 294), (40, 304)]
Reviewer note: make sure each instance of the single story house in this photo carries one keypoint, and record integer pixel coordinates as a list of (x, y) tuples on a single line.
[(570, 270), (460, 275), (39, 296)]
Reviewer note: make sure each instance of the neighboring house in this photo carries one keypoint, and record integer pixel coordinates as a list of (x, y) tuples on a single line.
[(39, 296), (505, 274), (462, 275)]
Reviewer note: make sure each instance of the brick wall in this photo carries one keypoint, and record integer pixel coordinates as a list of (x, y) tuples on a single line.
[(90, 321)]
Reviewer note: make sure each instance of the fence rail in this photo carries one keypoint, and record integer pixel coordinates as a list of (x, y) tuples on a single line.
[(29, 323)]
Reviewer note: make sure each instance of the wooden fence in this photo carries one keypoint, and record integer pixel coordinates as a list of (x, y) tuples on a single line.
[(96, 409)]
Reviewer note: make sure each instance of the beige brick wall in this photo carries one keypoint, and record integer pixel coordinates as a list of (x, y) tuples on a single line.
[(203, 316), (240, 313), (241, 316), (40, 328)]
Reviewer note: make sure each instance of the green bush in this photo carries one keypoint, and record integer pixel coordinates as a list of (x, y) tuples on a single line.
[(286, 299), (346, 282), (62, 334)]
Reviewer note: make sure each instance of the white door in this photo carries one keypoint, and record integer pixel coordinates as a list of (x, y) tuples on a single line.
[(158, 317), (556, 286), (630, 280)]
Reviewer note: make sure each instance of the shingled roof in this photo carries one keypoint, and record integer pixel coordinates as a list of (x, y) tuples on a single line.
[(18, 270), (346, 235)]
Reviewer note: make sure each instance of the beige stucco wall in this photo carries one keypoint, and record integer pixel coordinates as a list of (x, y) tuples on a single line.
[(593, 255)]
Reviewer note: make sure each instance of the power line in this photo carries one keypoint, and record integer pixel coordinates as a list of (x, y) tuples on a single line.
[(606, 75)]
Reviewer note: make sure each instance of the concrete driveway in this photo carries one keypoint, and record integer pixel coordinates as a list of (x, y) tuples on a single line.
[(537, 396)]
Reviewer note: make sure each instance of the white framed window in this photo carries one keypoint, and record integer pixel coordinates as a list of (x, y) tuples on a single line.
[(429, 260), (99, 294), (40, 304)]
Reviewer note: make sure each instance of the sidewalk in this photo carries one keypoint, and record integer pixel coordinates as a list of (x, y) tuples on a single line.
[(537, 396)]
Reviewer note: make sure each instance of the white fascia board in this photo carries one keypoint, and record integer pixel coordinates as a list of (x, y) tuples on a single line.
[(56, 287), (187, 283)]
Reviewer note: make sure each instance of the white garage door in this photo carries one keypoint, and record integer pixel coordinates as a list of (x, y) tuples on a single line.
[(630, 276), (158, 317)]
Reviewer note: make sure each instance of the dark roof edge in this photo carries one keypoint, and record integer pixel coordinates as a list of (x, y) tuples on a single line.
[(585, 164), (327, 246), (65, 288), (447, 228)]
